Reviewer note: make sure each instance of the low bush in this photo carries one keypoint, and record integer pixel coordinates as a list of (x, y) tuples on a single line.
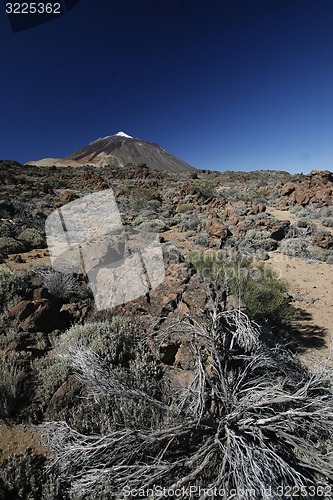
[(259, 240), (303, 249), (184, 208), (10, 245), (114, 344), (154, 225), (202, 239), (13, 287), (327, 221), (62, 285), (11, 386), (264, 295), (326, 212), (252, 419), (33, 238), (50, 372), (206, 188), (24, 477), (303, 222), (190, 222), (294, 247)]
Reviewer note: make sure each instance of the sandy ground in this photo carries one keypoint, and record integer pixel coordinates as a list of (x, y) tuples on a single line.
[(281, 214), (17, 440), (311, 285), (28, 260)]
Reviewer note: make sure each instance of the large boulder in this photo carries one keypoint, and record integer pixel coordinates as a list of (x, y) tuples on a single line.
[(317, 187)]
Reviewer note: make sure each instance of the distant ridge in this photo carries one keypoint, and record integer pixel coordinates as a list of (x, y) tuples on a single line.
[(118, 150)]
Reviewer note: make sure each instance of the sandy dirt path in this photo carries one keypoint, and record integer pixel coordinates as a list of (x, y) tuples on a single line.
[(311, 285)]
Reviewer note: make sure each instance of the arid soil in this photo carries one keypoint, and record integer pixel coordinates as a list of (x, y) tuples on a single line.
[(310, 285), (17, 440)]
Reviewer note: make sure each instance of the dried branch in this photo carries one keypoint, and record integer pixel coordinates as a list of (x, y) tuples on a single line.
[(251, 419)]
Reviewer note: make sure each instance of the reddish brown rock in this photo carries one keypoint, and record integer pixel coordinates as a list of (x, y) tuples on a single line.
[(317, 187), (217, 229), (42, 315), (279, 229), (287, 189), (68, 196), (302, 197), (64, 396), (22, 310), (323, 240)]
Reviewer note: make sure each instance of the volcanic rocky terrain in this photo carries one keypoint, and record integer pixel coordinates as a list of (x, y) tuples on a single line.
[(274, 226)]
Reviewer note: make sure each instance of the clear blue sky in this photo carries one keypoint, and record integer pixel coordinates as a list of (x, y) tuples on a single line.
[(224, 85)]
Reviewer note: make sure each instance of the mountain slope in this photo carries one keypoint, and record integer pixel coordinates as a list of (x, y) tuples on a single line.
[(118, 150)]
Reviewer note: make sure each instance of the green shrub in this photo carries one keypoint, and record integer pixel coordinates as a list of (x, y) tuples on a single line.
[(327, 221), (11, 386), (140, 196), (51, 373), (205, 188), (153, 204), (202, 239), (154, 225), (326, 212), (253, 419), (10, 245), (295, 247), (24, 477), (184, 208), (114, 340), (264, 295), (303, 222), (13, 287), (260, 240), (62, 285), (117, 345), (190, 222), (33, 238)]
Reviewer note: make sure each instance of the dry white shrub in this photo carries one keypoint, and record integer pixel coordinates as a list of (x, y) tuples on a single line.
[(253, 418)]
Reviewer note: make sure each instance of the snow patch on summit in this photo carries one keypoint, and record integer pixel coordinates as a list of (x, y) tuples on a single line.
[(118, 134), (122, 134)]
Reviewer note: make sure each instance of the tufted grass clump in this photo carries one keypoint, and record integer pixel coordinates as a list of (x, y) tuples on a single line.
[(62, 285)]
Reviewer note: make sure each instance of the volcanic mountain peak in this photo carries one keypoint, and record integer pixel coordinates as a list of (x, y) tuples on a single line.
[(114, 136), (118, 150)]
